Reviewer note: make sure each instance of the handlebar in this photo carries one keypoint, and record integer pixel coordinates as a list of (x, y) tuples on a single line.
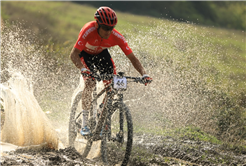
[(111, 76)]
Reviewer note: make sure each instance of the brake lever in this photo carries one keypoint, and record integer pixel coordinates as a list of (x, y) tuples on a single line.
[(92, 75)]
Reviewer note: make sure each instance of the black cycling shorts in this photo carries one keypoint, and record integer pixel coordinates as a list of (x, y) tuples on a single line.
[(102, 62)]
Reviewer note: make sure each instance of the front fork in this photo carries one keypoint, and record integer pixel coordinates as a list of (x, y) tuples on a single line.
[(119, 104)]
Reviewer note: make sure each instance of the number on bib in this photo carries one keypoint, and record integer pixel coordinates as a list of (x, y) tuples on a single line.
[(120, 82)]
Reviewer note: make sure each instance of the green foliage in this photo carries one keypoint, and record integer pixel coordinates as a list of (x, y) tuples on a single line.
[(184, 11), (226, 14), (196, 134), (231, 14), (231, 116)]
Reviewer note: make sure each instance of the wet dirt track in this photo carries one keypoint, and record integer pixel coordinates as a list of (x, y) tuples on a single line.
[(67, 156), (147, 150)]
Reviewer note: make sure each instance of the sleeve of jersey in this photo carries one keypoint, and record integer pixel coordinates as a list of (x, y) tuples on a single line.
[(123, 44), (80, 43), (125, 48)]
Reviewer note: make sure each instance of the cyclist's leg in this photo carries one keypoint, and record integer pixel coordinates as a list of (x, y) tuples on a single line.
[(86, 99), (90, 84)]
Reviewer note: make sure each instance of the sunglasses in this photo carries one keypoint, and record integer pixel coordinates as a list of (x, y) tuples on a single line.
[(107, 28)]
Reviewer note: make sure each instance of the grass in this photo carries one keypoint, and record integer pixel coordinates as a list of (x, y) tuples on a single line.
[(141, 155), (190, 133), (68, 18), (194, 133)]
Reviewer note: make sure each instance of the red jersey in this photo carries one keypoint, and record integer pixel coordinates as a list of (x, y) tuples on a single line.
[(90, 41)]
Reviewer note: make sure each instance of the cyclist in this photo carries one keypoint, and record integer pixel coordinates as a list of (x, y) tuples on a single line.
[(90, 52)]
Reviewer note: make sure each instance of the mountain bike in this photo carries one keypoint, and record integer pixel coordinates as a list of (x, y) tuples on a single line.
[(109, 121)]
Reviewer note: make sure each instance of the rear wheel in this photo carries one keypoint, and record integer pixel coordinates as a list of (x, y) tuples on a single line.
[(116, 145)]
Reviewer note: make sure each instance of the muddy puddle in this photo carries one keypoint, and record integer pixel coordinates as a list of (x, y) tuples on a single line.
[(147, 150)]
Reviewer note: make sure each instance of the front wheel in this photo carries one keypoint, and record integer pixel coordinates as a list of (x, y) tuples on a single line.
[(116, 143), (73, 122), (74, 137)]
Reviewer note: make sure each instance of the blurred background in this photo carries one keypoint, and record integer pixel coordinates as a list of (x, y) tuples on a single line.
[(194, 51)]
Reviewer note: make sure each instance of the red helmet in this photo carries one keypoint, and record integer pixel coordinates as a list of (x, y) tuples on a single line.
[(105, 15)]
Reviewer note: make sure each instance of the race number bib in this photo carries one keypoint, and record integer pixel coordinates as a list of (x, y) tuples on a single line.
[(120, 82)]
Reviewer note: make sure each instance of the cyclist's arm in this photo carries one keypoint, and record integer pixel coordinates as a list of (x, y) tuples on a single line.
[(136, 63), (74, 56)]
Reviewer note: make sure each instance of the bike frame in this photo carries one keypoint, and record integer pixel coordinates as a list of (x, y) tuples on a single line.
[(107, 106), (104, 121), (100, 126)]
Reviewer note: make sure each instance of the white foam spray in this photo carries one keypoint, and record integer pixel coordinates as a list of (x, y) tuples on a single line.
[(25, 123)]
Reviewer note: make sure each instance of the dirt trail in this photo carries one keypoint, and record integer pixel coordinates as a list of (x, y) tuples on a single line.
[(147, 151)]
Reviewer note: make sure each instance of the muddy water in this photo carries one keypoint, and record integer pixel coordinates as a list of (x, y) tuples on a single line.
[(6, 147), (148, 150), (25, 123)]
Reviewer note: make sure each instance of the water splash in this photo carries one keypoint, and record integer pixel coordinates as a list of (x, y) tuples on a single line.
[(25, 123), (184, 89), (179, 95), (175, 98)]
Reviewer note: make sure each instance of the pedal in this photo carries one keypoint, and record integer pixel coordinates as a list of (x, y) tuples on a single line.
[(97, 137), (120, 137)]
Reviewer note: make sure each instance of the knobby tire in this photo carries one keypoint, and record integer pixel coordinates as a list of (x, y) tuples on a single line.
[(104, 147), (72, 133)]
